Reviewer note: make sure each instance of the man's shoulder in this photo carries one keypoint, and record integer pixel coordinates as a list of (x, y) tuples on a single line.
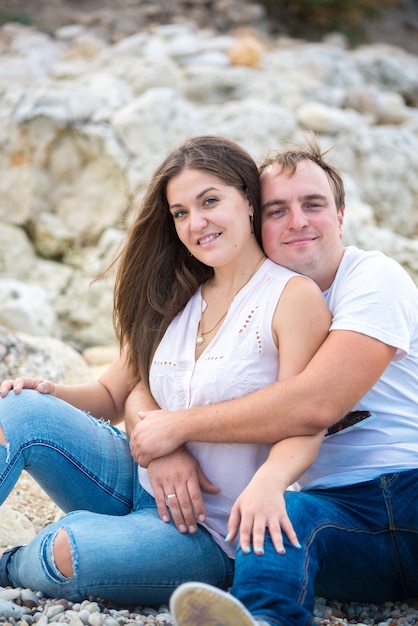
[(365, 272), (373, 261), (353, 254)]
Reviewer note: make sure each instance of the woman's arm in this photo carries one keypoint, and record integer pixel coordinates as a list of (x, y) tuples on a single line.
[(103, 398), (140, 399), (261, 505), (177, 473)]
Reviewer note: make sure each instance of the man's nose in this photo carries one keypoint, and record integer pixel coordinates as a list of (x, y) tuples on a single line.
[(297, 219)]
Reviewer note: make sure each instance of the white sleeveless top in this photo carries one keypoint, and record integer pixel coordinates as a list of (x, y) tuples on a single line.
[(240, 359)]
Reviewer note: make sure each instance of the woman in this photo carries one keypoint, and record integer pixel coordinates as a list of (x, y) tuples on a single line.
[(200, 314)]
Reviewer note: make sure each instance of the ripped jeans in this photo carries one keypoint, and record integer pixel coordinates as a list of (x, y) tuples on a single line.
[(122, 551)]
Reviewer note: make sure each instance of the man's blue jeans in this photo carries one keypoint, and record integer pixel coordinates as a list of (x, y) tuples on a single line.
[(359, 543), (122, 551)]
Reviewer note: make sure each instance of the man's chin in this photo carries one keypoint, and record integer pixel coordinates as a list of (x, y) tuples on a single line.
[(300, 266)]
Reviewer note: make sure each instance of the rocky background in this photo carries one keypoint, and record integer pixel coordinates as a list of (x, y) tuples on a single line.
[(94, 94)]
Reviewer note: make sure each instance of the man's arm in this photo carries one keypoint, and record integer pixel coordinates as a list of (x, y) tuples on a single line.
[(343, 370)]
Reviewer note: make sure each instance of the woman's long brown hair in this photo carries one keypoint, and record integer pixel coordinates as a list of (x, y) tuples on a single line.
[(156, 274)]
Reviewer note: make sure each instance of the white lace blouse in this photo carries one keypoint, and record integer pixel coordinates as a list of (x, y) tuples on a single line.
[(241, 358)]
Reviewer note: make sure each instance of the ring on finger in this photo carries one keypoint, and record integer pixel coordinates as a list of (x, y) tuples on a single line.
[(171, 495)]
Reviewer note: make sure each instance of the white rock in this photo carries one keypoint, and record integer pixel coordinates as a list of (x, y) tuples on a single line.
[(84, 122), (26, 308), (156, 122), (75, 368), (64, 103), (325, 119), (249, 122), (15, 528), (392, 109)]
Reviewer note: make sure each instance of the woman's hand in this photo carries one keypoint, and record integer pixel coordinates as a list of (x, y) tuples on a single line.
[(259, 507), (177, 482), (37, 384)]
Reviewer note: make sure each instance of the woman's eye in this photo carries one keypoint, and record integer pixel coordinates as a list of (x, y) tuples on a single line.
[(178, 214)]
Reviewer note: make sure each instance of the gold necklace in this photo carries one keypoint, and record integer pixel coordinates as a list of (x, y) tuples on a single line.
[(200, 337)]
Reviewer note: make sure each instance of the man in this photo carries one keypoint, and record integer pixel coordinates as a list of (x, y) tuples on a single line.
[(356, 517)]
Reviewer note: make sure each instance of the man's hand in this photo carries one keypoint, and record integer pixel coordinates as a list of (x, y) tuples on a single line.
[(154, 436), (179, 476)]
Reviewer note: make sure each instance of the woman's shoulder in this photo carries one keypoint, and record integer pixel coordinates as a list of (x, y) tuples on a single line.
[(275, 270)]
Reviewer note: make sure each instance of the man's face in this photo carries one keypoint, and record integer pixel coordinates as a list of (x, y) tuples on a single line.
[(301, 227)]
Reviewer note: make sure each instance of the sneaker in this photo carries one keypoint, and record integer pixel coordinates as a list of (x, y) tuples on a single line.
[(198, 604)]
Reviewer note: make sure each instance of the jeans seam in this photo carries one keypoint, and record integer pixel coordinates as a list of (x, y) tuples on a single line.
[(68, 457), (384, 485), (310, 539)]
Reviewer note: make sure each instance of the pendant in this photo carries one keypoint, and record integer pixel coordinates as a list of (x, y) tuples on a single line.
[(199, 340)]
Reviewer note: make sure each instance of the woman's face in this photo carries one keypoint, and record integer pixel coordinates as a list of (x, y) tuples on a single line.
[(212, 218)]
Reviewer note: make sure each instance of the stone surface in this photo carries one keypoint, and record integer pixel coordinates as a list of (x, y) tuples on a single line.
[(15, 528), (85, 120)]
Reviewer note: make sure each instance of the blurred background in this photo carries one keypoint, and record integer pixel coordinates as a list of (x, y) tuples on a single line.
[(392, 21)]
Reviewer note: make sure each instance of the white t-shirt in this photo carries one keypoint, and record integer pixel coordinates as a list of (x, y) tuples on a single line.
[(241, 358), (373, 295)]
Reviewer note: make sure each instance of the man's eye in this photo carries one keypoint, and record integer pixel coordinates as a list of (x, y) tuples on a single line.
[(313, 205), (275, 212), (210, 201)]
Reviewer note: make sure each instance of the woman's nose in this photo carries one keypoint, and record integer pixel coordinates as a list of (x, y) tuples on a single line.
[(197, 220)]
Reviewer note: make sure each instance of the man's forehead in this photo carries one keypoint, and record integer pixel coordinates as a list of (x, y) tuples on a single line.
[(307, 172), (273, 169)]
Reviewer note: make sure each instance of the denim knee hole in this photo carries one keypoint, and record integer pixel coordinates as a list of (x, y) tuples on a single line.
[(62, 548)]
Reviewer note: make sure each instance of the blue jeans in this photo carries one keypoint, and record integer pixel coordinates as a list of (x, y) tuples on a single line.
[(122, 551), (359, 543)]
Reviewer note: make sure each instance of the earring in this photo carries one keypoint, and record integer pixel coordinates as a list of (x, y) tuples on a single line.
[(252, 223)]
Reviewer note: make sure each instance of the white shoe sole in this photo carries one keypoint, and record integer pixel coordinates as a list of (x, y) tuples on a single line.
[(198, 604)]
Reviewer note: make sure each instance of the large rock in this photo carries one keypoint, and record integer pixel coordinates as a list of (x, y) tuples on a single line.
[(26, 355), (85, 116), (27, 308), (15, 528)]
